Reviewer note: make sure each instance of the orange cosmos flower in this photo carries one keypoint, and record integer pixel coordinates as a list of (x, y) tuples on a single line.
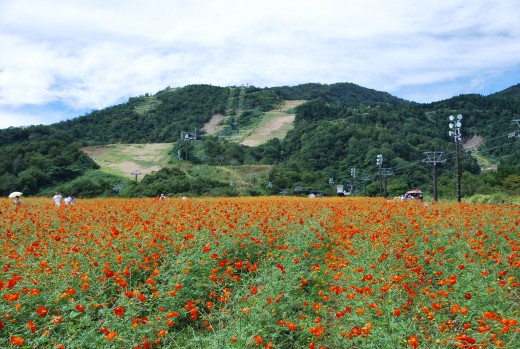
[(491, 316), (172, 314), (12, 297), (111, 335), (57, 319), (258, 339), (42, 311), (291, 326), (119, 311), (413, 341), (18, 341), (31, 325)]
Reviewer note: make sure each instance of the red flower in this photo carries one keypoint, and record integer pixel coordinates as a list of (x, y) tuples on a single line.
[(80, 308), (31, 326), (42, 311), (258, 339), (119, 311)]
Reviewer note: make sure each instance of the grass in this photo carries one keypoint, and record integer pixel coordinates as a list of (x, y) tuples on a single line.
[(273, 124), (149, 104), (123, 159)]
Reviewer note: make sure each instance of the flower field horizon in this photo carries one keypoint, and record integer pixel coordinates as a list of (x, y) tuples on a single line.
[(264, 272)]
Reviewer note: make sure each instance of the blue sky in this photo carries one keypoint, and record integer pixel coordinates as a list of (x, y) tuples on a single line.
[(64, 58)]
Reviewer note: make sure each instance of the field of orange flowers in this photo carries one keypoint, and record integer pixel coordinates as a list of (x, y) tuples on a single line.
[(273, 272)]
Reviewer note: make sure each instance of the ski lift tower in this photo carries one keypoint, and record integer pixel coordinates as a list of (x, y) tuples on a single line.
[(518, 123)]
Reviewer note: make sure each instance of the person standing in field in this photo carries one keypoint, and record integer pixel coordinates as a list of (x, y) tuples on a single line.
[(17, 201), (57, 199)]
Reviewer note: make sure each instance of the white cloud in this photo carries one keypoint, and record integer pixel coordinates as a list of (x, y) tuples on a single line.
[(92, 54)]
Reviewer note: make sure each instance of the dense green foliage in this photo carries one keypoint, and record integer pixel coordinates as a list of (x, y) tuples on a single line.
[(345, 94), (340, 127), (29, 166)]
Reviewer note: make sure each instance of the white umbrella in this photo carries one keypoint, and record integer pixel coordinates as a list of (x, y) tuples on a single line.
[(15, 194)]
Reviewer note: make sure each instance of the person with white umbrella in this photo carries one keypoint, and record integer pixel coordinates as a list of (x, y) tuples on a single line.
[(16, 195)]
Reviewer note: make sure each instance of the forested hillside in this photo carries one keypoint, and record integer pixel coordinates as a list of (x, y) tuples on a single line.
[(341, 127)]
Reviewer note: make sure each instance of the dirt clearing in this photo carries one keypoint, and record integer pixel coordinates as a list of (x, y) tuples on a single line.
[(125, 159)]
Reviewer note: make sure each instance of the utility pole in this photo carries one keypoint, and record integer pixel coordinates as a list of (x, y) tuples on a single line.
[(353, 174), (331, 182), (365, 178), (434, 158), (379, 163), (186, 141), (457, 137), (386, 172)]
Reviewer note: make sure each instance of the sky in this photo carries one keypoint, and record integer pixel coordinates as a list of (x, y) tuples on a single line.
[(64, 58)]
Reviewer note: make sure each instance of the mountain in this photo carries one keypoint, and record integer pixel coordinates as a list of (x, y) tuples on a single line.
[(341, 127), (512, 92)]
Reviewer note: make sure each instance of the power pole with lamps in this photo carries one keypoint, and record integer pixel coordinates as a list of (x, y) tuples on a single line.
[(456, 125), (353, 174), (379, 163)]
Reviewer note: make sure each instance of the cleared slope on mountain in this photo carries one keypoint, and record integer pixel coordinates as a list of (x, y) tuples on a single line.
[(128, 159)]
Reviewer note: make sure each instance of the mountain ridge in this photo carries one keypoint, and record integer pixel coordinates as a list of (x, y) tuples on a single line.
[(340, 126)]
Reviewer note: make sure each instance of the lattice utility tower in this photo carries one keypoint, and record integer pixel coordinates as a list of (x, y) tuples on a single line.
[(385, 173), (434, 158), (365, 178)]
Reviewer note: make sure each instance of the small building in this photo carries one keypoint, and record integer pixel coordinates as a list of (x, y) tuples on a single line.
[(340, 190)]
